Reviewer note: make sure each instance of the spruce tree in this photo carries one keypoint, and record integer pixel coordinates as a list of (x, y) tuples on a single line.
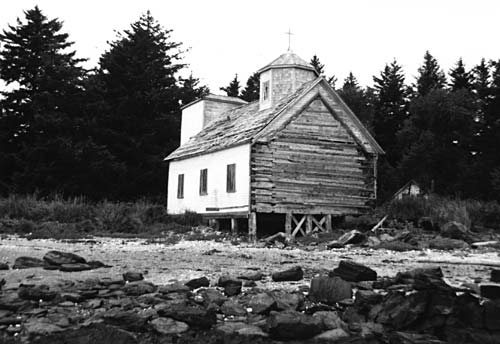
[(492, 132), (460, 79), (430, 76), (318, 66), (359, 101), (251, 91), (137, 109), (40, 122), (191, 89), (233, 89)]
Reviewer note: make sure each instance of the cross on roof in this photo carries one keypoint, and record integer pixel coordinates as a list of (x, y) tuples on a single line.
[(289, 33)]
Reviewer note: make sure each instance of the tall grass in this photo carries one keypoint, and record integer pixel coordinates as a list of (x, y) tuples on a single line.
[(473, 214), (49, 217)]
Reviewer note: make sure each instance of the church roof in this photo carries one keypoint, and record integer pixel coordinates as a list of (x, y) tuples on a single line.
[(246, 123), (286, 60)]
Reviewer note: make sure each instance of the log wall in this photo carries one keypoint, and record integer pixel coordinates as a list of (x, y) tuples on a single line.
[(313, 166)]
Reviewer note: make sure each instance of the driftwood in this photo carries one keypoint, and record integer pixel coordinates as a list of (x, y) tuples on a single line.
[(379, 223), (460, 262)]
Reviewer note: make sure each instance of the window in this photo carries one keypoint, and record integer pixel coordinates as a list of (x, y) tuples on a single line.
[(203, 181), (231, 178), (265, 90), (180, 186)]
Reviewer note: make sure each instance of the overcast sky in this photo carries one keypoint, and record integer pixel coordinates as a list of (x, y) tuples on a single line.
[(228, 37)]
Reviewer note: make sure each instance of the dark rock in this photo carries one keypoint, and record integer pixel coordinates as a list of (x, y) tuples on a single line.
[(329, 319), (456, 230), (332, 336), (252, 276), (367, 298), (36, 293), (12, 302), (95, 264), (249, 283), (212, 296), (27, 262), (440, 243), (287, 301), (292, 274), (176, 287), (129, 320), (354, 272), (139, 288), (495, 275), (234, 308), (60, 258), (198, 283), (468, 311), (289, 325), (74, 267), (490, 290), (262, 303), (73, 297), (107, 281), (233, 288), (194, 316), (169, 326), (95, 333), (241, 329), (329, 290), (400, 311), (132, 276), (40, 327), (4, 266)]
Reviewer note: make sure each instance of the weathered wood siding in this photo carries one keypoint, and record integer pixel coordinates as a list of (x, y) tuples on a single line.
[(313, 166)]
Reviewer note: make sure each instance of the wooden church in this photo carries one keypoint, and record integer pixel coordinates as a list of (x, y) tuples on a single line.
[(296, 157)]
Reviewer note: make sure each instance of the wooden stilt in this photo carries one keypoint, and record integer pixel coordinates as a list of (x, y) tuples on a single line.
[(288, 226), (252, 226), (309, 223), (234, 226), (329, 222)]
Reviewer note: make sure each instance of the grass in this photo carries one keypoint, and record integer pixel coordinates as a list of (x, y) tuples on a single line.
[(474, 214), (59, 218)]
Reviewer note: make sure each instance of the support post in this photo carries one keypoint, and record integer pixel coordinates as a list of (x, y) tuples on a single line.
[(288, 226), (234, 226), (328, 222), (214, 223), (252, 226), (309, 224)]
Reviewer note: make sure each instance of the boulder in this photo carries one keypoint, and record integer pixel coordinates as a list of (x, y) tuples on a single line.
[(288, 325), (400, 311), (28, 262), (252, 276), (176, 287), (456, 230), (492, 315), (95, 333), (292, 274), (287, 301), (4, 266), (440, 243), (95, 264), (60, 258), (329, 290), (233, 288), (329, 319), (74, 267), (354, 272), (331, 336), (233, 308), (169, 326), (132, 276), (139, 288), (240, 329), (40, 327), (212, 296), (427, 224), (128, 320), (36, 293), (196, 283), (490, 290), (262, 303), (194, 316)]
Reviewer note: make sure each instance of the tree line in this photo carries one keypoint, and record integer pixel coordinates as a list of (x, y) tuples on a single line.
[(443, 131), (103, 132)]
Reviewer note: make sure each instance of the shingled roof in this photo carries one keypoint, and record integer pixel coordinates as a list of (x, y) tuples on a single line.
[(236, 126), (288, 59)]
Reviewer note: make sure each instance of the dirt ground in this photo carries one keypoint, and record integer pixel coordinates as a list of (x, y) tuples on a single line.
[(189, 259)]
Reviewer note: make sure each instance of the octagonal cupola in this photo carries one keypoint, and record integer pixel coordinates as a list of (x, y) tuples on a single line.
[(282, 77)]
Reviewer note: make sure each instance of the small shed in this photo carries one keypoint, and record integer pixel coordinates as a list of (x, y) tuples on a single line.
[(410, 189), (298, 153)]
